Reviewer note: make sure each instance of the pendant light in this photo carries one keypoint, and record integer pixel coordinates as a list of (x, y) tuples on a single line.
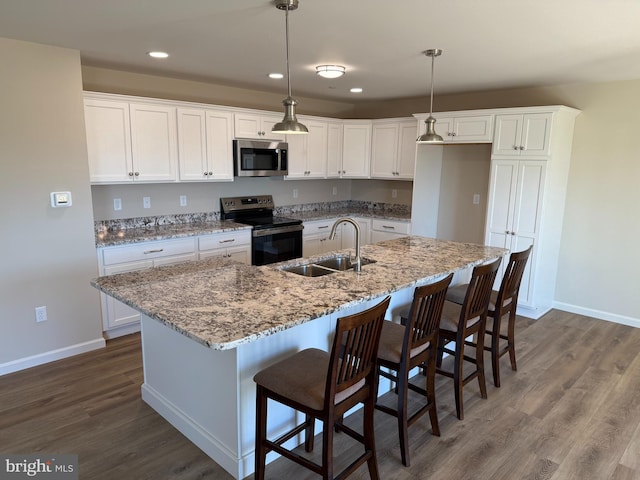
[(289, 124), (430, 136)]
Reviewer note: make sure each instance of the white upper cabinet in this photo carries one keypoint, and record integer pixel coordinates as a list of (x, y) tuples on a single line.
[(205, 144), (356, 149), (154, 142), (256, 125), (129, 142), (461, 127), (393, 149), (527, 135), (334, 150), (307, 154), (108, 130)]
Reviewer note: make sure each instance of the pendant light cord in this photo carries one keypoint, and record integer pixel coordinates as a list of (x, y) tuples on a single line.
[(286, 17), (433, 58)]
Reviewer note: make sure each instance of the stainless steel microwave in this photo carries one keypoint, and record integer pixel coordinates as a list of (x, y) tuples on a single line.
[(259, 158)]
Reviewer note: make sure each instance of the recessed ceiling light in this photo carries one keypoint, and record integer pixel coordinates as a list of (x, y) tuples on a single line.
[(277, 76), (356, 90), (330, 71), (158, 54)]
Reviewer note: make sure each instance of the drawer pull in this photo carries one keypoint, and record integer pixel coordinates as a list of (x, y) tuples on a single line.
[(323, 226), (154, 251), (388, 226), (227, 241)]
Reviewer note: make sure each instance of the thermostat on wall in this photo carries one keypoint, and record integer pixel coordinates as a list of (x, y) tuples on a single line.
[(60, 199)]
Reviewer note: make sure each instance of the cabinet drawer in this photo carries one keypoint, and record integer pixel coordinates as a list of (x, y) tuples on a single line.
[(312, 228), (223, 240), (391, 226), (147, 250)]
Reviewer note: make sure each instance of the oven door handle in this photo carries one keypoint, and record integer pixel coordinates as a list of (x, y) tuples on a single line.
[(276, 230)]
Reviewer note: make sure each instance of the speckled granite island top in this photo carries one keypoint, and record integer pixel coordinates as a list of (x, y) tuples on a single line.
[(223, 304)]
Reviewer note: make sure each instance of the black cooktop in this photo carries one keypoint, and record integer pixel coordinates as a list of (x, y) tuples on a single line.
[(256, 211), (268, 221)]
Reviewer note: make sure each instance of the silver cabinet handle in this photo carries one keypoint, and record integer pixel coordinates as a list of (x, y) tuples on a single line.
[(227, 241), (137, 173), (521, 147), (515, 147), (131, 174), (210, 173), (206, 173), (154, 251), (388, 226), (323, 226)]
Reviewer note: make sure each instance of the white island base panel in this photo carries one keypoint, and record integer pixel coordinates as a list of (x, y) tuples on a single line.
[(209, 395)]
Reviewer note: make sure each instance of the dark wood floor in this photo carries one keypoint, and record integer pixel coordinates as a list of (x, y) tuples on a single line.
[(572, 411)]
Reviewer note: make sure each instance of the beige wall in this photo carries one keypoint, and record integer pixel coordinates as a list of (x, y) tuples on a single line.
[(47, 255), (465, 172), (599, 258), (127, 83)]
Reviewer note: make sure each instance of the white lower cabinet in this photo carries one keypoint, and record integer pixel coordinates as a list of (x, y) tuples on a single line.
[(119, 319), (315, 238), (349, 233), (234, 245), (388, 229)]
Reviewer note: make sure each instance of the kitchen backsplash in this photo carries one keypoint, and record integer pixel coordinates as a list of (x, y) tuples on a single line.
[(354, 206)]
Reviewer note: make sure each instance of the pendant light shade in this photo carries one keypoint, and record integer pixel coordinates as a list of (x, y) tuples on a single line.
[(289, 124), (430, 136)]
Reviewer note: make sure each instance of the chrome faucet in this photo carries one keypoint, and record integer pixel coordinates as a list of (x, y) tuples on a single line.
[(332, 235)]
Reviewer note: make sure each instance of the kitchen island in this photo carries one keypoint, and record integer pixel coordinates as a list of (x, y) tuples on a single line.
[(209, 326)]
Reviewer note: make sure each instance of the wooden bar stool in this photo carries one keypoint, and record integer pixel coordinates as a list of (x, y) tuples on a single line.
[(324, 386), (460, 322), (503, 302), (404, 347)]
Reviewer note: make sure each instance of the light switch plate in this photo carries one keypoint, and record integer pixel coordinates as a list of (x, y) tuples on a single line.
[(146, 202)]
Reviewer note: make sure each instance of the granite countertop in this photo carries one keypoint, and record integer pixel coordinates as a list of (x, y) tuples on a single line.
[(121, 236), (108, 238), (223, 304)]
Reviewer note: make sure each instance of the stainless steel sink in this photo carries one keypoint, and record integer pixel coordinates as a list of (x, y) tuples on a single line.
[(342, 263), (309, 270), (335, 264)]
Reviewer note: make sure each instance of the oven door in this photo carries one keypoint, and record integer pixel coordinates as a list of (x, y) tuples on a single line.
[(272, 245)]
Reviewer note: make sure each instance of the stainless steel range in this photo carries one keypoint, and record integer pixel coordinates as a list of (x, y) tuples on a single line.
[(273, 239)]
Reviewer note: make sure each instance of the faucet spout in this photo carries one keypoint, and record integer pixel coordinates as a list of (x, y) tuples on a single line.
[(332, 235)]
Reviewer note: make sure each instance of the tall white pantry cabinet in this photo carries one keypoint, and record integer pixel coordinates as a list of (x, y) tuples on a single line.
[(530, 161)]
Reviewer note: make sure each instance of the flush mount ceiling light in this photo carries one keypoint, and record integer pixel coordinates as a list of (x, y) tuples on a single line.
[(330, 71), (158, 54), (289, 124), (430, 136)]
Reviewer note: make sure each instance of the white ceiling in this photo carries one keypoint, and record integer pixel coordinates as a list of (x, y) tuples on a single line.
[(487, 44)]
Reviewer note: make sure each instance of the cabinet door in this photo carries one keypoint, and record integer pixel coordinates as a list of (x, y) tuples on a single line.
[(502, 195), (384, 150), (334, 150), (312, 245), (153, 142), (267, 123), (219, 145), (248, 125), (536, 135), (444, 128), (192, 144), (317, 149), (108, 141), (297, 156), (117, 313), (240, 254), (473, 129), (356, 152), (408, 132), (348, 239), (506, 138)]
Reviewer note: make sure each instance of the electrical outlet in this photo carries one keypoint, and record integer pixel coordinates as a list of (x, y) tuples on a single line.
[(41, 314), (146, 202), (476, 199), (117, 204), (335, 190), (394, 193), (295, 193), (183, 200)]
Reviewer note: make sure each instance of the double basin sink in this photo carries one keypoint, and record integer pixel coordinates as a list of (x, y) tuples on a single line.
[(339, 263)]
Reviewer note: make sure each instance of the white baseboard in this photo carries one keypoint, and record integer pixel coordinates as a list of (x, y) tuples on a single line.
[(599, 314), (51, 356)]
